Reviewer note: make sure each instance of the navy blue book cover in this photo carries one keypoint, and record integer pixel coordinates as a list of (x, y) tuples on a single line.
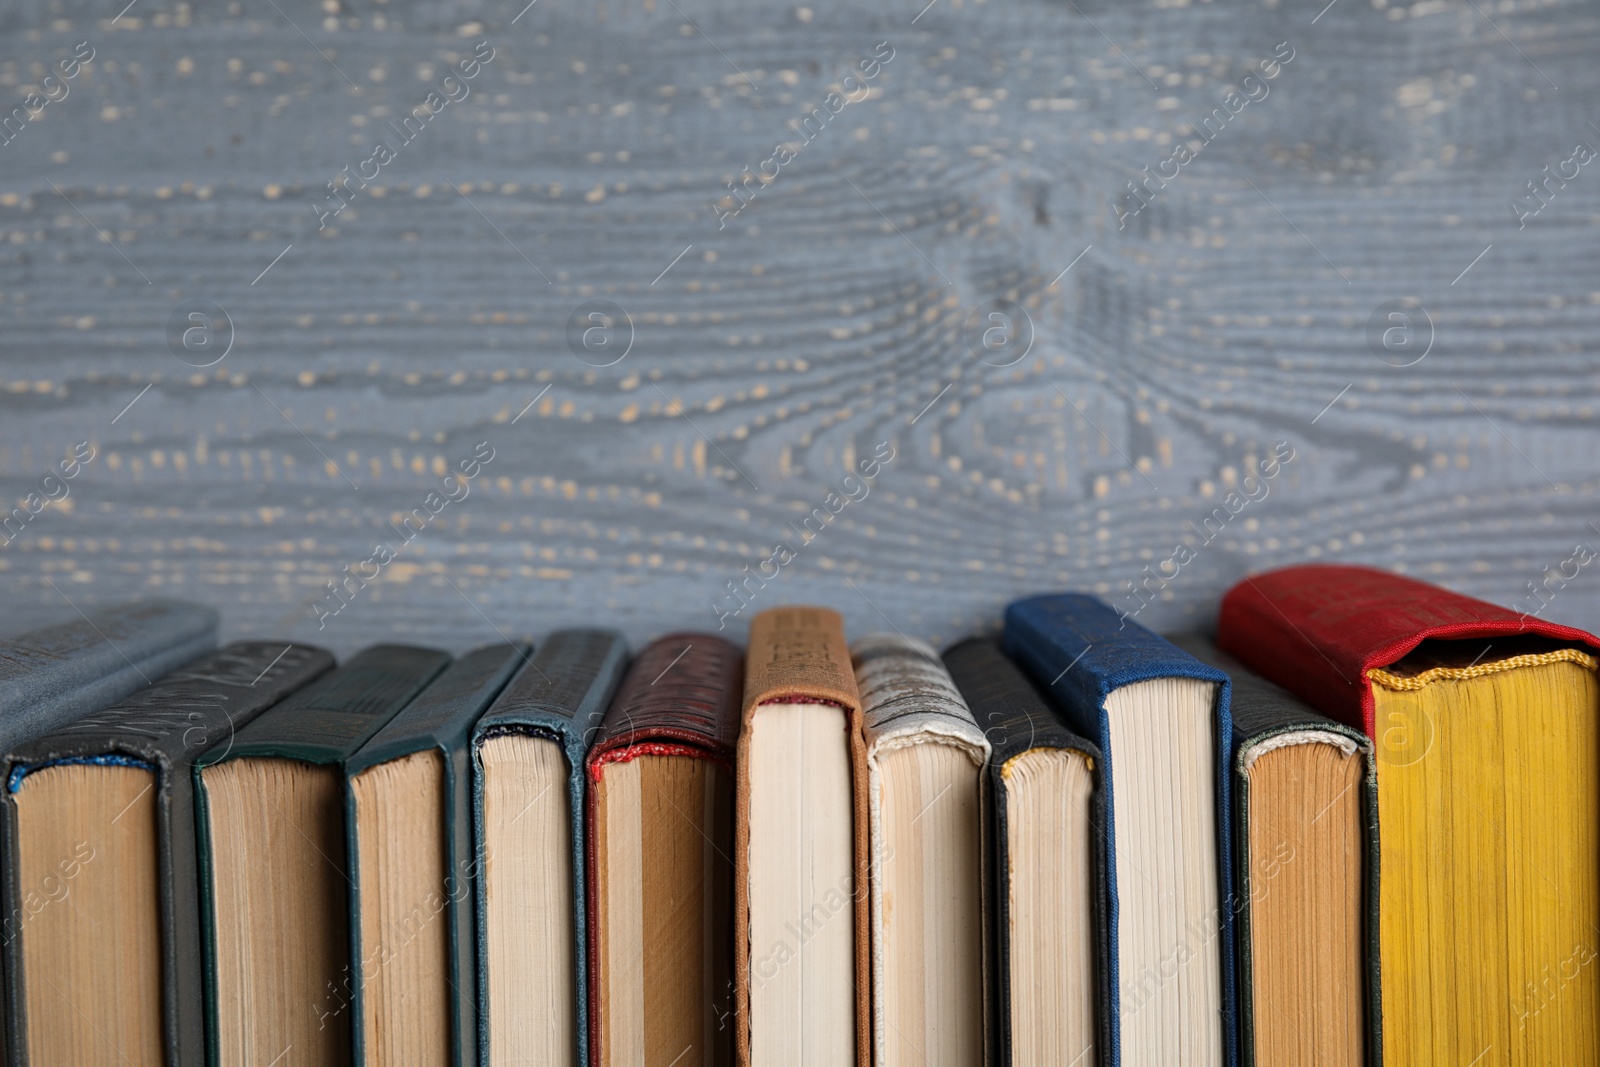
[(1080, 651)]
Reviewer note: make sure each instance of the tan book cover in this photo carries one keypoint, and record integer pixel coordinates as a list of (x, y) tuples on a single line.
[(798, 655)]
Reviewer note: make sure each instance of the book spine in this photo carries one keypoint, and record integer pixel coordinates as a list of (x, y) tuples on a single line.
[(329, 720), (683, 687), (679, 698), (441, 717), (799, 654), (562, 693), (905, 689), (43, 663)]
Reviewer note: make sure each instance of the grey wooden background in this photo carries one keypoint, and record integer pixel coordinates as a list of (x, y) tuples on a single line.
[(834, 312)]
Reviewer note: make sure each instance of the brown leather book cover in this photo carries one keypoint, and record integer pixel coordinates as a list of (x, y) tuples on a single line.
[(680, 698), (799, 654)]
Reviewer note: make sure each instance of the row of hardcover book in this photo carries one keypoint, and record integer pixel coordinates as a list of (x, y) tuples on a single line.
[(1361, 821)]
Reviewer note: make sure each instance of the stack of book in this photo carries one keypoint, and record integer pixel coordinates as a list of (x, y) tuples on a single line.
[(1361, 821)]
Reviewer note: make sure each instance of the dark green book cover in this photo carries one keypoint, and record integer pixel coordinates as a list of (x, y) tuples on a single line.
[(440, 719), (324, 724)]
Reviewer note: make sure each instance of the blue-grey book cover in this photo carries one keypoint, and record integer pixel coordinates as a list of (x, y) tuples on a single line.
[(51, 675), (1080, 651), (561, 694), (159, 730)]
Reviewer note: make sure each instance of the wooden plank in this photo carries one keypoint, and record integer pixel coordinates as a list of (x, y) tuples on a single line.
[(842, 306)]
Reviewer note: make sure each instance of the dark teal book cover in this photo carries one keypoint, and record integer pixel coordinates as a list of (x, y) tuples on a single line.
[(323, 725), (439, 720)]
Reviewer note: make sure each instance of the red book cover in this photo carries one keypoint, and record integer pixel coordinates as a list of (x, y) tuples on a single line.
[(1317, 629), (681, 697), (683, 690)]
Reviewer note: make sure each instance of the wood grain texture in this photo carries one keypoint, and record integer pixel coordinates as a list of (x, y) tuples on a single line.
[(831, 314)]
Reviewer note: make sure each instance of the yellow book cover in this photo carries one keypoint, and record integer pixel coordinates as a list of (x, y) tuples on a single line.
[(1486, 725)]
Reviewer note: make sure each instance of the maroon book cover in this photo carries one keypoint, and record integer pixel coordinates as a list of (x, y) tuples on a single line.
[(681, 698), (1317, 629)]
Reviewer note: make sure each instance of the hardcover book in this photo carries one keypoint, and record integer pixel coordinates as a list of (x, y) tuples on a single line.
[(408, 794), (274, 875), (802, 949), (1160, 718), (1487, 738), (98, 819), (51, 675), (528, 810), (1305, 806), (660, 858), (1047, 864), (925, 763)]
